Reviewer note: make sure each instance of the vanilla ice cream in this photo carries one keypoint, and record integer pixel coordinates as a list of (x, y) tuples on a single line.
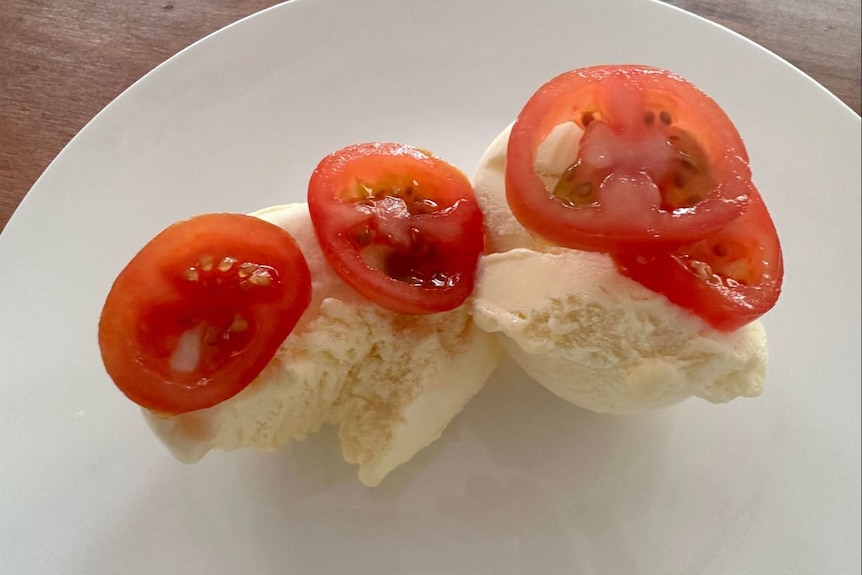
[(587, 333), (391, 382)]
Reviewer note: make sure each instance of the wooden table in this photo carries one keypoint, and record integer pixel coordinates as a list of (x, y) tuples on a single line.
[(61, 61)]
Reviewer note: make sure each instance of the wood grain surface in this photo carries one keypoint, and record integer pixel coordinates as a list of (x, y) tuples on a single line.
[(61, 61)]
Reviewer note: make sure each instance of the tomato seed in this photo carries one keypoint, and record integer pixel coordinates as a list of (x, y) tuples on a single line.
[(739, 272), (191, 274), (260, 277), (700, 269), (226, 264), (665, 118), (423, 206), (649, 118), (574, 188), (239, 324), (584, 191), (246, 269)]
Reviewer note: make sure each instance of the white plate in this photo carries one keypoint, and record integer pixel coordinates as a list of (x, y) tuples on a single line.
[(521, 482)]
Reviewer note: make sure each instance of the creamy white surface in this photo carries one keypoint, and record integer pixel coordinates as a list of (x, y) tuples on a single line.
[(391, 382), (590, 335)]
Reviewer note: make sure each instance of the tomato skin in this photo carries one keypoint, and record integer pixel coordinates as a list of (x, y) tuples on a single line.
[(695, 276), (179, 300), (620, 98), (399, 225)]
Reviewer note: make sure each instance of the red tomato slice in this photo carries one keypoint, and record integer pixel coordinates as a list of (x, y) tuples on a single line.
[(399, 225), (201, 309), (659, 162), (729, 278)]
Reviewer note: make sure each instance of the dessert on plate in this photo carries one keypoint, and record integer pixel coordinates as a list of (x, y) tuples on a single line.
[(614, 243), (630, 253), (390, 380)]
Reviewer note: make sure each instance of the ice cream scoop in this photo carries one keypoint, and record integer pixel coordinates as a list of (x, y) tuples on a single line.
[(391, 382), (576, 325)]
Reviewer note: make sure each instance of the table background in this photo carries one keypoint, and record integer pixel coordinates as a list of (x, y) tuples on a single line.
[(61, 61)]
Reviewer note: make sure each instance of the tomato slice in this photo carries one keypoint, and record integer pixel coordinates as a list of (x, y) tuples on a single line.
[(730, 278), (399, 225), (659, 161), (201, 309)]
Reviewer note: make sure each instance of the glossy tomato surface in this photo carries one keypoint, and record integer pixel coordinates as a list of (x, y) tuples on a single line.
[(200, 310), (730, 278), (659, 163), (399, 225)]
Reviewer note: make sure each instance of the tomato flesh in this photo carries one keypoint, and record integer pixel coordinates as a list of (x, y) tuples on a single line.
[(729, 278), (399, 225), (198, 313), (659, 162)]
